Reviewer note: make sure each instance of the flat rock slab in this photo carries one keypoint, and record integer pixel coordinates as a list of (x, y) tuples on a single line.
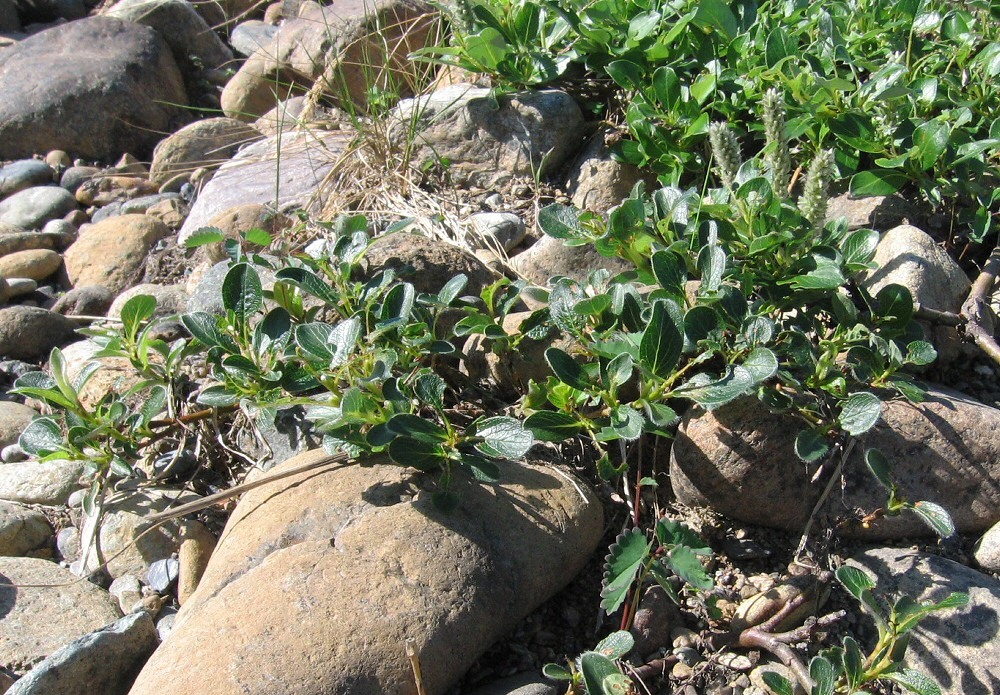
[(304, 158), (36, 621), (320, 580), (739, 460), (959, 649)]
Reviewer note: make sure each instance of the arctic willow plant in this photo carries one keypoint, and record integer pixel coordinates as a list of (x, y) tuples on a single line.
[(738, 292)]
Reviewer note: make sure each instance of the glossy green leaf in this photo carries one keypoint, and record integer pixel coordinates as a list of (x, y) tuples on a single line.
[(711, 266), (661, 342), (823, 674), (342, 339), (242, 292), (895, 305), (616, 645), (560, 222), (936, 517), (686, 565), (556, 672), (567, 369), (503, 437), (714, 394), (430, 388), (549, 426), (314, 340), (761, 363), (452, 289), (602, 677), (860, 412), (309, 282), (877, 182), (204, 327), (858, 248), (217, 396), (920, 352), (914, 681), (669, 270), (880, 467), (810, 445), (416, 428), (777, 683), (41, 437), (416, 453), (856, 581), (854, 666), (136, 310), (930, 140), (715, 14)]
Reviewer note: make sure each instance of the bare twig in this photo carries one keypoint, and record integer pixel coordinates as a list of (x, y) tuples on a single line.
[(976, 310), (411, 653)]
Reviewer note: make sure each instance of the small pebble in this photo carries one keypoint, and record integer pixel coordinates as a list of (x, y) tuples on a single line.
[(162, 573), (166, 622), (737, 662), (58, 160), (681, 670), (682, 637), (688, 655), (68, 543), (13, 453)]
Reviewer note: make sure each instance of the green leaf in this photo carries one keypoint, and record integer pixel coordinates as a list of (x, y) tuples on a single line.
[(856, 581), (823, 674), (309, 282), (561, 222), (860, 412), (258, 237), (417, 428), (930, 140), (556, 672), (342, 338), (914, 681), (858, 248), (853, 662), (761, 363), (616, 645), (936, 517), (567, 369), (715, 14), (429, 388), (856, 130), (810, 445), (204, 327), (877, 182), (398, 304), (920, 352), (625, 423), (504, 437), (879, 465), (241, 291), (549, 426), (661, 342), (627, 555), (821, 273), (895, 305), (452, 289), (713, 394), (422, 455), (205, 235), (136, 310), (626, 74), (218, 396), (672, 533), (314, 340), (42, 437), (686, 565), (602, 677), (777, 683), (702, 322), (711, 266), (669, 270)]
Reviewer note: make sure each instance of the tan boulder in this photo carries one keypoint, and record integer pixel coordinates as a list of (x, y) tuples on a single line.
[(113, 252), (36, 264), (320, 580), (206, 143), (739, 460)]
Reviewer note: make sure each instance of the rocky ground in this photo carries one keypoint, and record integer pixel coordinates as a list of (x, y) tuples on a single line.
[(322, 582)]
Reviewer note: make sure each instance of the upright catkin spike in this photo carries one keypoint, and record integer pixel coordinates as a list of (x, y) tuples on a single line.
[(816, 189), (725, 151), (777, 158)]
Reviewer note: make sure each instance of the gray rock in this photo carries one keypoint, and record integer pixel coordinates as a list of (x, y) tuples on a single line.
[(12, 453), (22, 529), (25, 241), (739, 460), (987, 551), (957, 648), (68, 543), (597, 182), (28, 332), (528, 683), (100, 87), (549, 257), (207, 293), (76, 176), (22, 174), (162, 574), (140, 205), (37, 621), (496, 229), (251, 35), (488, 139), (126, 590), (14, 417), (32, 482), (206, 143), (195, 46), (876, 212), (249, 177), (18, 287), (86, 300), (427, 263), (170, 299), (107, 212), (453, 583), (278, 440), (106, 661), (31, 208), (909, 257)]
